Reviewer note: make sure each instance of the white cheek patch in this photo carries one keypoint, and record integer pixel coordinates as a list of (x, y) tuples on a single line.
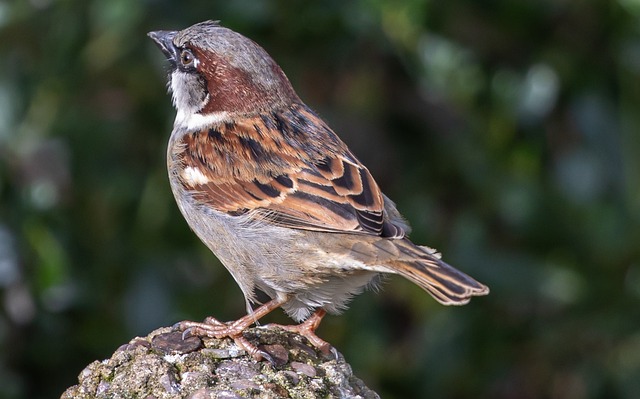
[(180, 93), (188, 114), (194, 177)]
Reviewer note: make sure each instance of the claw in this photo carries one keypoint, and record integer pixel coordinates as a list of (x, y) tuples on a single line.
[(252, 350), (335, 353), (265, 356), (186, 333)]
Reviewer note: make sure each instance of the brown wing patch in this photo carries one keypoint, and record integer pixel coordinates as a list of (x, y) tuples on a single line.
[(275, 167)]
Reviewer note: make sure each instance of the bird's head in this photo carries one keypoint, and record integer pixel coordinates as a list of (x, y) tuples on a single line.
[(216, 73)]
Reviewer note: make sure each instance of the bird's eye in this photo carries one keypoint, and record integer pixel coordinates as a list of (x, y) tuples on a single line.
[(187, 58)]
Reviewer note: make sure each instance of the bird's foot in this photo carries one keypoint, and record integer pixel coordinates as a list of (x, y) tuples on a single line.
[(308, 330), (213, 328)]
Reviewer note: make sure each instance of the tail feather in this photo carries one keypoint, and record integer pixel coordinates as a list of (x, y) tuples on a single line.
[(423, 266)]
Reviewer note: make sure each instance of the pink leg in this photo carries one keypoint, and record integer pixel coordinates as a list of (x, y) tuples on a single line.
[(308, 330)]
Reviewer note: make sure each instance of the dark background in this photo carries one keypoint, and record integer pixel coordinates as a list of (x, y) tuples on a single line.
[(506, 131)]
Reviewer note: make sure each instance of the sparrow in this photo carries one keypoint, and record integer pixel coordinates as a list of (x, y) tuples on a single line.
[(273, 192)]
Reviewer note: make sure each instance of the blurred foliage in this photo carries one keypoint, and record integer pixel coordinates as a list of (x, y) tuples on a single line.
[(507, 132)]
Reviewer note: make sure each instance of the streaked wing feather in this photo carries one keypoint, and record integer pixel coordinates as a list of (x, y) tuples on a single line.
[(333, 193)]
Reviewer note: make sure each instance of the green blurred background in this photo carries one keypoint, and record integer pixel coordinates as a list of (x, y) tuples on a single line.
[(508, 132)]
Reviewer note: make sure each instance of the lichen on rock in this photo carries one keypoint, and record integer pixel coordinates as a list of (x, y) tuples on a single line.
[(166, 365)]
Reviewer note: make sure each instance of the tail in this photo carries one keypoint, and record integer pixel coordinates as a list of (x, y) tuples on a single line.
[(423, 266)]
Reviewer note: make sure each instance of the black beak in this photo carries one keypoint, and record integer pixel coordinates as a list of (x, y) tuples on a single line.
[(164, 40)]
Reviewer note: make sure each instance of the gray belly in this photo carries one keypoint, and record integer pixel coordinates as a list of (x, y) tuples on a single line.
[(313, 268)]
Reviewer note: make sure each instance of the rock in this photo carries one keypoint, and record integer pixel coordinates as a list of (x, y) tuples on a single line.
[(164, 365)]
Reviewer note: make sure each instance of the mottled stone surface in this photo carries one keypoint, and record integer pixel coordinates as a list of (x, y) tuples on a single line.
[(163, 365)]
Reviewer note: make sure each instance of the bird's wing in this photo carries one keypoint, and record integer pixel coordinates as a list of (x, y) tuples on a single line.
[(287, 169)]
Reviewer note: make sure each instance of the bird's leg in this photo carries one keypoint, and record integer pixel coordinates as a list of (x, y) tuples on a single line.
[(213, 328), (308, 330)]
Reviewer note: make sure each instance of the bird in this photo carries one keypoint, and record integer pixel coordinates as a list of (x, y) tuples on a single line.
[(276, 195)]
